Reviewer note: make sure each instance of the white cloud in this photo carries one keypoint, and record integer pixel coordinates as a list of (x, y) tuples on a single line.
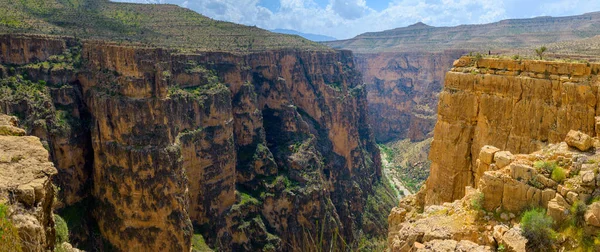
[(348, 18), (349, 9)]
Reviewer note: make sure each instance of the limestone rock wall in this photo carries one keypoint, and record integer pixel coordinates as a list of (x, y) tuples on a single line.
[(515, 105), (26, 187), (403, 90), (256, 151)]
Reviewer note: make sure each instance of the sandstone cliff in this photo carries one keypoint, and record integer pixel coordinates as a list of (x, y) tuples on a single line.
[(255, 151), (514, 105), (25, 190)]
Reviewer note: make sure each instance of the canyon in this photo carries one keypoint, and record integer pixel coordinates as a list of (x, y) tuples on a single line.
[(161, 145), (404, 70)]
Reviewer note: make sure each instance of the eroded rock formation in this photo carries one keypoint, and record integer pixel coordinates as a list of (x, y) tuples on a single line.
[(257, 151), (403, 90), (514, 105), (25, 188)]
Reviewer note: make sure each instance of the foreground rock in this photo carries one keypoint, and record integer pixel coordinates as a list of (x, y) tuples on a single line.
[(579, 140), (515, 105), (26, 187), (490, 214)]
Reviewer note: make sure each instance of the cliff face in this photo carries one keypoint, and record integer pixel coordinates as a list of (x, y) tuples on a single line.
[(252, 149), (403, 91), (514, 105), (26, 192)]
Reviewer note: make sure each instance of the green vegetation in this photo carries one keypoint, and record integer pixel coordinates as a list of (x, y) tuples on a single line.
[(537, 228), (198, 244), (157, 25), (545, 166), (389, 152), (9, 236), (378, 206), (477, 201), (540, 52), (62, 233), (577, 214), (246, 198), (559, 174)]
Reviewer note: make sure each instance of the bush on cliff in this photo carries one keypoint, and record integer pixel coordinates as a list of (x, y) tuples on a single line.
[(9, 236), (559, 174), (545, 166), (537, 228)]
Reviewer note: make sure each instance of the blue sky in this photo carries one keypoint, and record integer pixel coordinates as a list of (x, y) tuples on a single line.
[(347, 18)]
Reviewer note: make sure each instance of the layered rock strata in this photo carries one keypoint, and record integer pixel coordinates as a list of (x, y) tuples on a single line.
[(515, 105), (257, 151)]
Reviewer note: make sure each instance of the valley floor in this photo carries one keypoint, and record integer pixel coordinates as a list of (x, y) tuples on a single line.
[(405, 164)]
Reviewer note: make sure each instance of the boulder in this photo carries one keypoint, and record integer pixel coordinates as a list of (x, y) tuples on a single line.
[(558, 208), (588, 178), (469, 246), (572, 197), (513, 240), (499, 231), (440, 245), (592, 215), (579, 140), (503, 158), (486, 154), (522, 172), (547, 182), (547, 196)]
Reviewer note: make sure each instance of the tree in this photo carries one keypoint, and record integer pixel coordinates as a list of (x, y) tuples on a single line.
[(540, 52)]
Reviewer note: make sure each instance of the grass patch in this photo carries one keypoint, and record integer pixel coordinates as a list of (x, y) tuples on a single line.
[(198, 244)]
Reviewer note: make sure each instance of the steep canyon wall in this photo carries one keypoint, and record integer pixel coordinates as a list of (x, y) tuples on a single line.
[(403, 90), (517, 105), (251, 150)]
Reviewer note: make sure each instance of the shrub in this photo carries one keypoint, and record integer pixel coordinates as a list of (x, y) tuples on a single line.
[(62, 230), (559, 174), (545, 166), (9, 235), (477, 201), (537, 228), (577, 214)]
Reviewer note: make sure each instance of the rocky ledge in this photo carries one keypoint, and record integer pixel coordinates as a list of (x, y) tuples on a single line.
[(559, 179), (26, 188)]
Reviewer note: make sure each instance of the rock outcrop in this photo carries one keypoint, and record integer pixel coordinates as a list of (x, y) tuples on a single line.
[(26, 188), (489, 215), (250, 149), (516, 105)]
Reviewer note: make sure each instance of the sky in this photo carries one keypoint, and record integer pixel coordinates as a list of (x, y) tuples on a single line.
[(345, 19)]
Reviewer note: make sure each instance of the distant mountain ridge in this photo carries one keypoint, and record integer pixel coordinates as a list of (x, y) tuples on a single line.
[(309, 36), (505, 34), (163, 25)]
